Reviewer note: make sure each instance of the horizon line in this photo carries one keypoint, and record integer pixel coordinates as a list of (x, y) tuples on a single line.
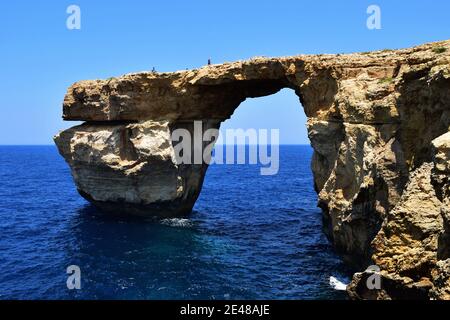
[(54, 145)]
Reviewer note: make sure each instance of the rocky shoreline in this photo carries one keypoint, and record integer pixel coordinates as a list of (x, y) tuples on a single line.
[(378, 122)]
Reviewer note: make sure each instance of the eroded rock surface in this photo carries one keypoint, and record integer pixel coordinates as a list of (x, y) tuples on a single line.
[(378, 123)]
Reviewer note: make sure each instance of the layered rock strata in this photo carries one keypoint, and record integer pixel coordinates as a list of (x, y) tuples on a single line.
[(378, 123)]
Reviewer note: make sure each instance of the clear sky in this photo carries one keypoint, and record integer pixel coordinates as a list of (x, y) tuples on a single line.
[(40, 57)]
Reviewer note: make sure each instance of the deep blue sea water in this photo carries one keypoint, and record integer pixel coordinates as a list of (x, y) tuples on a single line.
[(249, 237)]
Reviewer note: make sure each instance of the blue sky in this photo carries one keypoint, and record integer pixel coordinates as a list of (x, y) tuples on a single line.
[(40, 57)]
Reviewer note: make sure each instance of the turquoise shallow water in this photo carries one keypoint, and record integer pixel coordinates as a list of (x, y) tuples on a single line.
[(249, 237)]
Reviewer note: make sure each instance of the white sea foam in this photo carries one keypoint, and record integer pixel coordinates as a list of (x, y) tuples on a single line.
[(337, 285), (177, 222)]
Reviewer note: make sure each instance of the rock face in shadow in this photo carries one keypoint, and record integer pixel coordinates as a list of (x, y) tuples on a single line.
[(378, 123)]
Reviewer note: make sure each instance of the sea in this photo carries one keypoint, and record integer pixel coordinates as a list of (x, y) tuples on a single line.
[(249, 236)]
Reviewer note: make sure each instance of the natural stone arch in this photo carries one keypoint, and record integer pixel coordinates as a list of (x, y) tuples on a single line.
[(368, 121)]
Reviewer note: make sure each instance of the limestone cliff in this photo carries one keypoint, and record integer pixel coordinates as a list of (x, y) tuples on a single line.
[(378, 123)]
